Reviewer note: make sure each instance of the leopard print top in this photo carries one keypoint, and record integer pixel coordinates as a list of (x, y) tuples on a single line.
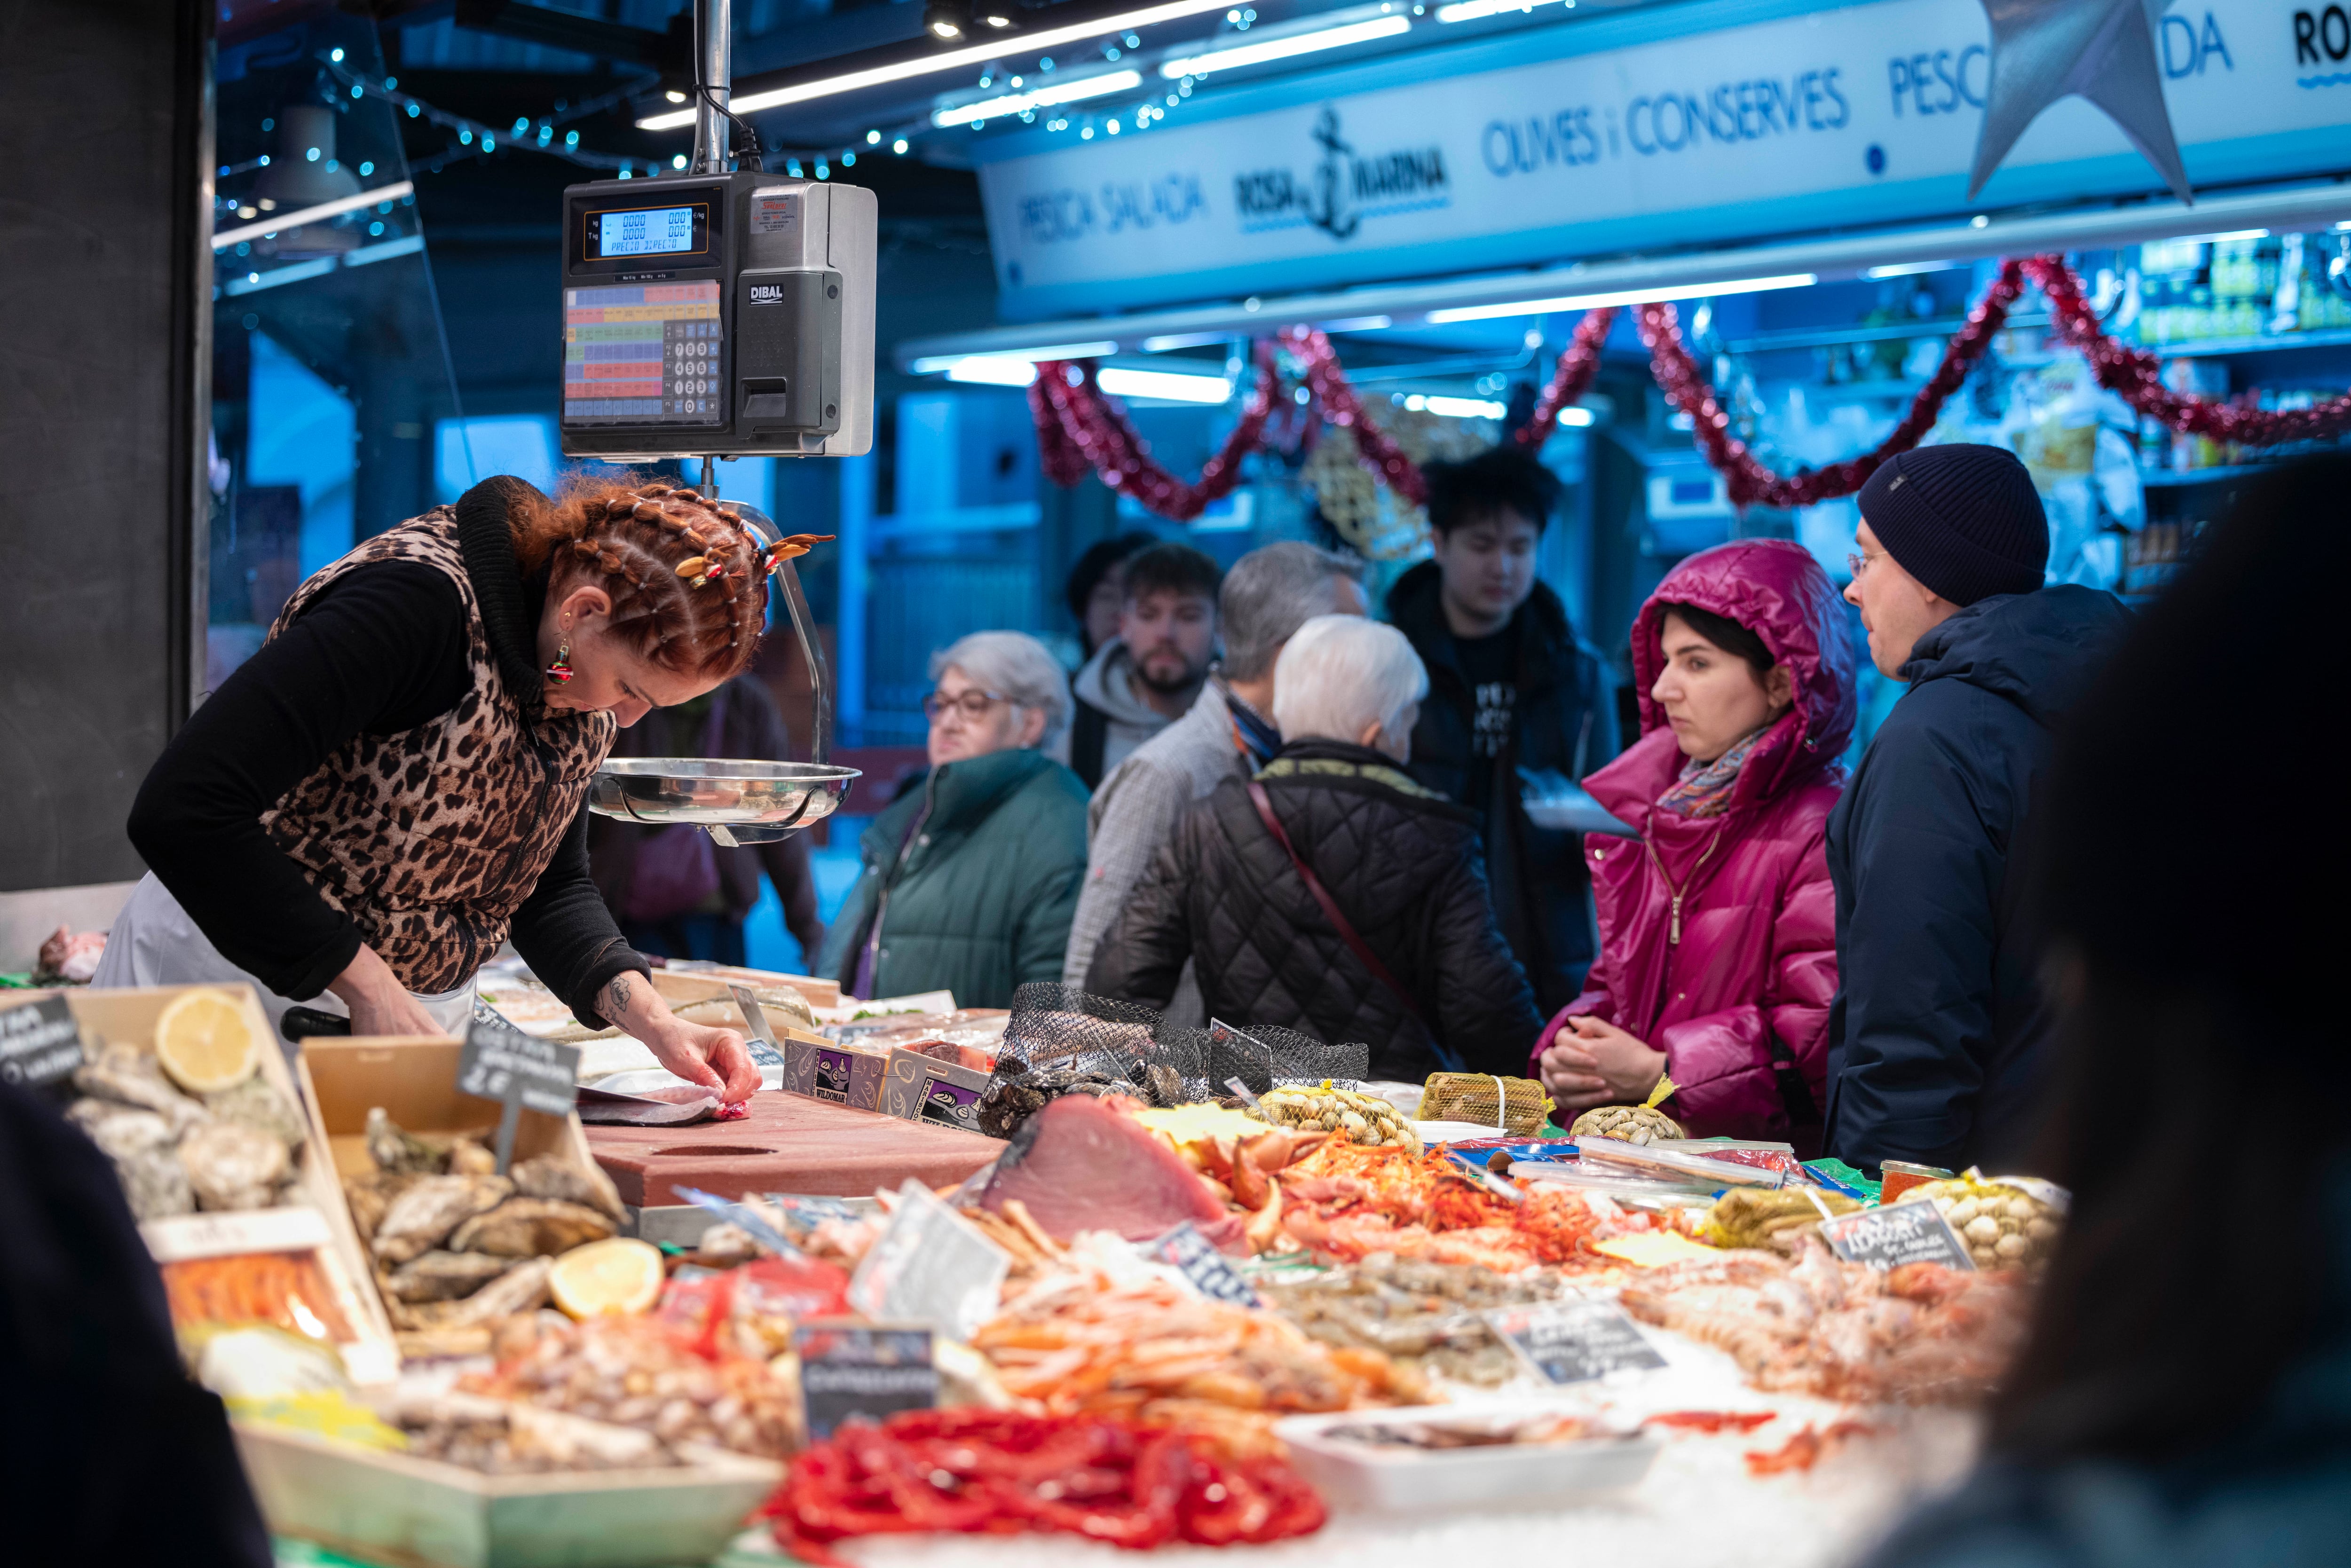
[(431, 838)]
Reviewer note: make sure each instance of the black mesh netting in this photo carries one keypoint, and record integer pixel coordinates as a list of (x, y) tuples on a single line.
[(1061, 1041)]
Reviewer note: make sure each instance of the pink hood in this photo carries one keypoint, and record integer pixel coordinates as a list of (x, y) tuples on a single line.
[(1776, 589), (1719, 935)]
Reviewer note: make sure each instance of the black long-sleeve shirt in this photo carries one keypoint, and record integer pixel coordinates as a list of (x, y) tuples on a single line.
[(383, 650)]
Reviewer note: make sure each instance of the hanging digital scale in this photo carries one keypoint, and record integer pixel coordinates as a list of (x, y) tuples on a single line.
[(717, 314)]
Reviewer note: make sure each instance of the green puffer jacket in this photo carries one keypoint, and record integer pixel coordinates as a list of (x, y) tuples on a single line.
[(979, 901)]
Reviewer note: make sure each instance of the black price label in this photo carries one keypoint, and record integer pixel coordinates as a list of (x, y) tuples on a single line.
[(1574, 1341), (1896, 1233), (1196, 1258), (39, 1042), (760, 1036), (522, 1072), (853, 1371)]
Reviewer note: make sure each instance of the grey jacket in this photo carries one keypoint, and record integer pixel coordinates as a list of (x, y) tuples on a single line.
[(1131, 816)]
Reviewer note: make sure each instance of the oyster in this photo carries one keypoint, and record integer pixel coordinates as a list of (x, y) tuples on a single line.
[(155, 1184), (522, 1287), (548, 1177), (129, 1076), (253, 1104), (467, 1157), (393, 1149), (370, 1194), (120, 1130), (424, 1215), (532, 1227), (230, 1166), (442, 1275)]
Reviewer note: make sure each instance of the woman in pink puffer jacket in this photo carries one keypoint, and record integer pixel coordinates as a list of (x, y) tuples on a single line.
[(1716, 925)]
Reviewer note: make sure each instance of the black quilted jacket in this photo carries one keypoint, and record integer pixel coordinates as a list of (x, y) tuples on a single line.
[(1405, 868)]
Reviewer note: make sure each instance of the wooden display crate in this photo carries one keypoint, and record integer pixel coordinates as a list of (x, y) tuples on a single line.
[(412, 1512), (677, 986), (322, 1224), (415, 1080)]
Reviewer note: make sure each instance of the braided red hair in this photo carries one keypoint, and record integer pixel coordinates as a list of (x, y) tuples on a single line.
[(628, 537)]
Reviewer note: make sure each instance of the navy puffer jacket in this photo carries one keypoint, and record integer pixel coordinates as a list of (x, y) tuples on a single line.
[(1940, 1025)]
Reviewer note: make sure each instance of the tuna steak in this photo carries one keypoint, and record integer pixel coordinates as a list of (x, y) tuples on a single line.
[(1083, 1164)]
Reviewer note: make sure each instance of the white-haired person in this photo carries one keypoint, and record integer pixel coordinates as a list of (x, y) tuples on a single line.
[(971, 879), (1329, 894), (1229, 733)]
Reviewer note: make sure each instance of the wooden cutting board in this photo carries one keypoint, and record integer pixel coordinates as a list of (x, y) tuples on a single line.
[(789, 1143)]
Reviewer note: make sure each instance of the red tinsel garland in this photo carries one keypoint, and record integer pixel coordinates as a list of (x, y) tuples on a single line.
[(1578, 363), (1340, 407), (2136, 376), (1753, 485), (1078, 427)]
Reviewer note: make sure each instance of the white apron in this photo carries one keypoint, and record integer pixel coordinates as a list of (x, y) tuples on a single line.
[(154, 943)]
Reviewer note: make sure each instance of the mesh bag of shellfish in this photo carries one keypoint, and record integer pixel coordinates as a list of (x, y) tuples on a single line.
[(1060, 1040), (1516, 1105), (1062, 1027), (1264, 1056)]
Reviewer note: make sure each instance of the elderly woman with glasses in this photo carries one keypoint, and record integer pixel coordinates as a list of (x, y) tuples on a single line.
[(1331, 894), (971, 879)]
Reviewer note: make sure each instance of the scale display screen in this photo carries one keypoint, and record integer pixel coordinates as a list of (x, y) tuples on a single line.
[(642, 352), (648, 231)]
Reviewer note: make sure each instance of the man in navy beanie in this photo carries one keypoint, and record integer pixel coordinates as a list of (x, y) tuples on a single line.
[(1939, 1026)]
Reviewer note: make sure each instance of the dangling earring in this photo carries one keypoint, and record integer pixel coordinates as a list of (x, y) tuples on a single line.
[(560, 671)]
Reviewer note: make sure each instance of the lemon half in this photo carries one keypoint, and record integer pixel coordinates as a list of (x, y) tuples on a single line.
[(622, 1275), (205, 1042)]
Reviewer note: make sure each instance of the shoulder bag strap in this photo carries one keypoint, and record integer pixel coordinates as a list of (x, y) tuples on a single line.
[(1347, 932), (1088, 740)]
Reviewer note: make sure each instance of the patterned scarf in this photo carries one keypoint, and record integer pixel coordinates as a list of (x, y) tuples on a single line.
[(1704, 788), (1252, 731)]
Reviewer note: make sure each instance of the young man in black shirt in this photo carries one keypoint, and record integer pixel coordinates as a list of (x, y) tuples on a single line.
[(1509, 689)]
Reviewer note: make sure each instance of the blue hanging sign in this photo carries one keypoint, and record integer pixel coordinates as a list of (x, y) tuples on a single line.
[(1479, 158)]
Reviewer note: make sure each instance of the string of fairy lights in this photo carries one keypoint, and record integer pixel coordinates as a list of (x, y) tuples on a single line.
[(554, 134)]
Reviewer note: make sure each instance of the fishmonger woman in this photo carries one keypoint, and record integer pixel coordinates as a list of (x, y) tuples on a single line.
[(395, 784)]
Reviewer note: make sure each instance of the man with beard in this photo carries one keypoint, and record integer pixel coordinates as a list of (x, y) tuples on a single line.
[(1147, 677)]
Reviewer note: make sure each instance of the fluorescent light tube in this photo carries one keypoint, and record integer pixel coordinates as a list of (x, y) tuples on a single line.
[(1908, 270), (991, 371), (1463, 407), (936, 364), (1360, 324), (1161, 345), (280, 223), (945, 60), (1014, 103), (1282, 49), (1621, 296), (1168, 386), (1477, 10)]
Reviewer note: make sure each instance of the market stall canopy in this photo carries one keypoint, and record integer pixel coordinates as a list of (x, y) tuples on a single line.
[(1790, 142)]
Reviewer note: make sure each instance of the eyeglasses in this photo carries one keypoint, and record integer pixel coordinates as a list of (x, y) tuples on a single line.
[(972, 704), (1854, 565)]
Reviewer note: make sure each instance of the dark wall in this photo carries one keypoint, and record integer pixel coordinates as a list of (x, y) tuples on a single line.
[(100, 228)]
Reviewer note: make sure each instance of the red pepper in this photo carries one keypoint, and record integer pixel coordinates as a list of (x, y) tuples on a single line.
[(991, 1472)]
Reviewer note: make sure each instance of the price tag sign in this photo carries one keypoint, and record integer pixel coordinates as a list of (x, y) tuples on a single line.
[(1192, 1255), (766, 1053), (500, 1062), (1895, 1234), (860, 1370), (1574, 1341), (39, 1042), (931, 1266)]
